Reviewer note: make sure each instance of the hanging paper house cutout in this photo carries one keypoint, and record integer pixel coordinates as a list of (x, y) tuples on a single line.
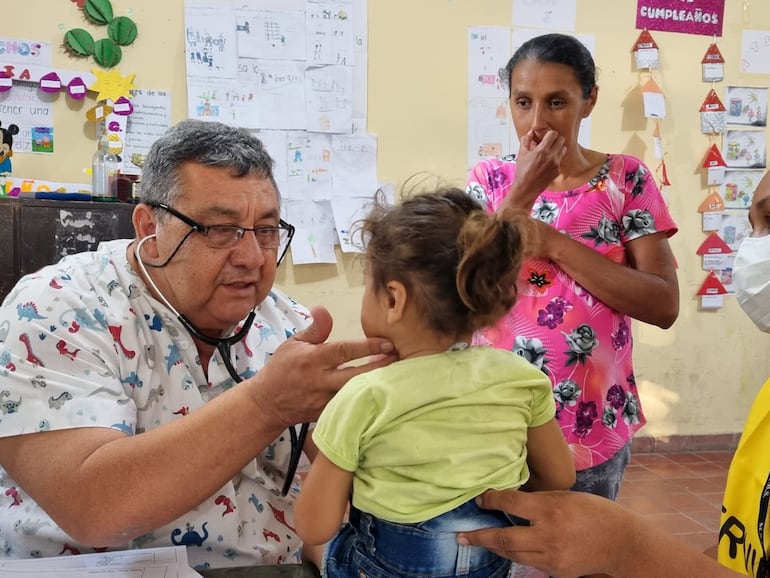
[(657, 142), (714, 245), (646, 51), (713, 64), (712, 285), (715, 166), (654, 101), (664, 182), (713, 114), (712, 204), (711, 210)]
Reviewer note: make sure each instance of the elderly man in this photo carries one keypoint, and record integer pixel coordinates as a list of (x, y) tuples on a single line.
[(146, 388)]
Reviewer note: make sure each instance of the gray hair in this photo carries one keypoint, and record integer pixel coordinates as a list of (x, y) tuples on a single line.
[(212, 144)]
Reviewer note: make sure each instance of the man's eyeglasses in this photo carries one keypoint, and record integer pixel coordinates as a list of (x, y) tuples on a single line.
[(227, 236)]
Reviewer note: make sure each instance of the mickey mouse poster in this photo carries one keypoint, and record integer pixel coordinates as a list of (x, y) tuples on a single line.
[(6, 147)]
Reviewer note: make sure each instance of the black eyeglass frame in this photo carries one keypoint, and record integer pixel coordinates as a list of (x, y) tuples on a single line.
[(197, 227)]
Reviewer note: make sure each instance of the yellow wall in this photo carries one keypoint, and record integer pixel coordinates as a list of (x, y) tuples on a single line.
[(698, 377)]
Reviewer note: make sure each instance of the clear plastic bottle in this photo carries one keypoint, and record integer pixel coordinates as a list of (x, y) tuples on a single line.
[(104, 171)]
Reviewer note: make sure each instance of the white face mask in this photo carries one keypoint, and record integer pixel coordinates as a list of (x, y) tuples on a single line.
[(751, 277)]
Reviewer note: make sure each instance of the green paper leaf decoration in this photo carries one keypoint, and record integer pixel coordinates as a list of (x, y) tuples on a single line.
[(122, 30), (107, 53), (79, 42), (98, 11)]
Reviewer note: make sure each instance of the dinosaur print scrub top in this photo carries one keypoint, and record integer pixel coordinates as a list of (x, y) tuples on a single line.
[(84, 344), (584, 346)]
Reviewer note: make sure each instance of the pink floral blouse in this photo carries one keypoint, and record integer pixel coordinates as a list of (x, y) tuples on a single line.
[(584, 346)]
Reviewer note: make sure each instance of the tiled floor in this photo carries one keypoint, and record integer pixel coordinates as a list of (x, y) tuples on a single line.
[(682, 492)]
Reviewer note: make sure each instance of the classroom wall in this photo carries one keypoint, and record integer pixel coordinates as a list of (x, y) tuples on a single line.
[(700, 376)]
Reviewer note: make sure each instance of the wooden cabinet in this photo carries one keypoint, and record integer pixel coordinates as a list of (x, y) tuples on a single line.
[(34, 233)]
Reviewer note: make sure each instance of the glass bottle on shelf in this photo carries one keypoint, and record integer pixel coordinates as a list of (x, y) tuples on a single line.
[(104, 172)]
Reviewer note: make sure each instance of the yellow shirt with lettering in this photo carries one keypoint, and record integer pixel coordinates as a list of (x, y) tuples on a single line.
[(743, 538)]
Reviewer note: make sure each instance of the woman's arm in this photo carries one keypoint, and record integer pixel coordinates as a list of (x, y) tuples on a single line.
[(322, 501), (647, 289), (549, 459)]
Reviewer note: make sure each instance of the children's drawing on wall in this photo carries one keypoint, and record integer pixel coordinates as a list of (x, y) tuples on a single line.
[(315, 234), (489, 128), (328, 99), (330, 38), (354, 164), (735, 227), (552, 14), (488, 51), (746, 105), (755, 51), (744, 148), (309, 166), (738, 187), (270, 34), (722, 266), (210, 43), (203, 99), (280, 91)]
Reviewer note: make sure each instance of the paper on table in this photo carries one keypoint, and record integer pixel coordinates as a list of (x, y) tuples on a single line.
[(168, 562)]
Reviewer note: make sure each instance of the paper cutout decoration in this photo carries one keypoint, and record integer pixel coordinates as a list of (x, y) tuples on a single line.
[(713, 114), (654, 101), (712, 204), (123, 106), (714, 245), (111, 84), (646, 51), (664, 182), (98, 112), (121, 31), (98, 12), (6, 147), (712, 208), (79, 42), (50, 82), (713, 64), (715, 166), (712, 285), (712, 292), (76, 88), (657, 142), (6, 82)]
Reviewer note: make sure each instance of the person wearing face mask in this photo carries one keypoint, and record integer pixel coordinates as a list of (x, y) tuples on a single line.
[(624, 544)]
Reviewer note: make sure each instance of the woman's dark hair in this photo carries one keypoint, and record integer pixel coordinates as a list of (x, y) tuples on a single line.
[(559, 49), (458, 261)]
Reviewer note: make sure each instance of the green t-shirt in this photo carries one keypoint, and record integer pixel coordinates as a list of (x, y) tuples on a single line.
[(426, 434)]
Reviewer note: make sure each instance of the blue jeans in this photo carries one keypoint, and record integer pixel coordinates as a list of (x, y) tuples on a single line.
[(368, 547)]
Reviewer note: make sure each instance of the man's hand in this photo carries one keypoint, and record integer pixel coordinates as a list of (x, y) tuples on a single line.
[(305, 372)]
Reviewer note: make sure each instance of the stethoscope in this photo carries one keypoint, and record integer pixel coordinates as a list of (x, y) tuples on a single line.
[(223, 345)]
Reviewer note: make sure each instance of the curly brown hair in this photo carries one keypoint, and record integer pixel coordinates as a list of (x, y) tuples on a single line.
[(458, 261)]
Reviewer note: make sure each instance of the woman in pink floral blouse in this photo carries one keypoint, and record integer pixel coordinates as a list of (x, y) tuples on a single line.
[(602, 257)]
